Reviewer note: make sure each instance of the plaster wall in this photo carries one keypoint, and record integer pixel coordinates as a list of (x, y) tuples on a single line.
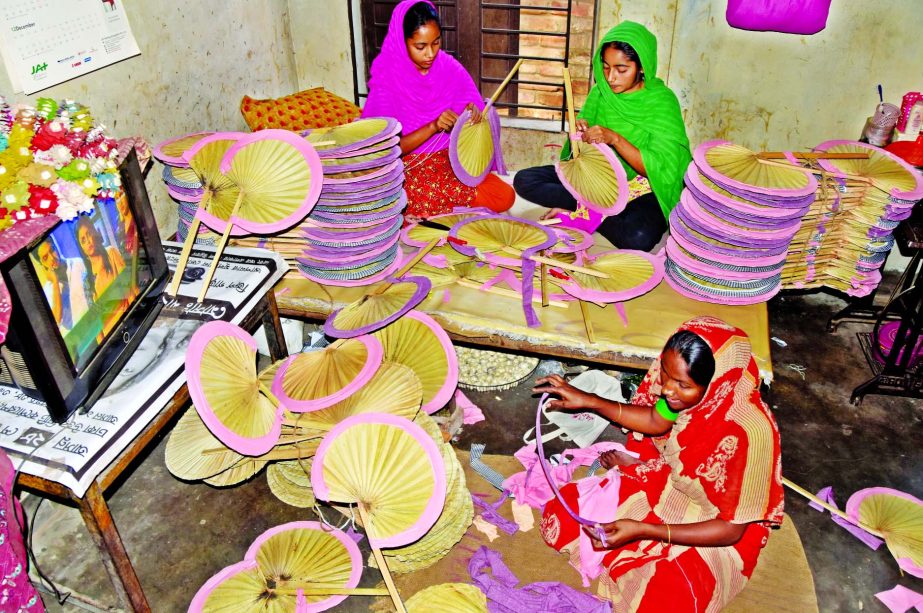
[(197, 60)]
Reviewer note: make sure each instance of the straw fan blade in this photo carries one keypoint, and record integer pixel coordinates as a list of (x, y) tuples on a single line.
[(394, 389), (359, 134), (571, 240), (735, 166), (471, 149), (193, 452), (391, 467), (220, 193), (171, 150), (316, 379), (225, 389), (290, 482), (378, 308), (418, 342), (595, 177), (630, 274), (496, 235), (887, 172), (448, 598), (417, 235), (899, 517), (280, 565), (279, 176)]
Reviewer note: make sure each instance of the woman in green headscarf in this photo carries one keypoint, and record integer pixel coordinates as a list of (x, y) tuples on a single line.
[(636, 114)]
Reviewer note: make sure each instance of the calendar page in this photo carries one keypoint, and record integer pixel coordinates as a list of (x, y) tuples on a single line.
[(46, 42)]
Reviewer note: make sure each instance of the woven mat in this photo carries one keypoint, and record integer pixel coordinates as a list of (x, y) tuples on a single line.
[(782, 576)]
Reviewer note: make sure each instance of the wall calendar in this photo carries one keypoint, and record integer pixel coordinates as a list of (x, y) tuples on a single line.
[(46, 42)]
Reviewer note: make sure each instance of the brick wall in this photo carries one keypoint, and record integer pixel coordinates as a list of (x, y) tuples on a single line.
[(581, 43)]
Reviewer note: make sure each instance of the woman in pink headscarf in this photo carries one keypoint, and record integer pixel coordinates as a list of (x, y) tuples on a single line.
[(426, 90)]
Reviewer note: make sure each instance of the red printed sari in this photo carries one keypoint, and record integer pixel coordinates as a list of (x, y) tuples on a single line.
[(721, 460)]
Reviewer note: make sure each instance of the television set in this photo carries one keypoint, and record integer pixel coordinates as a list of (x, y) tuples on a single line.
[(83, 295)]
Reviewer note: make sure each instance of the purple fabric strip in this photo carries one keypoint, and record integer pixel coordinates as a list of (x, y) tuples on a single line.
[(499, 584), (490, 514), (826, 495)]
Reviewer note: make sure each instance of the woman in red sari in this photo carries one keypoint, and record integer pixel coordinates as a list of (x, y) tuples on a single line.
[(695, 509), (426, 90)]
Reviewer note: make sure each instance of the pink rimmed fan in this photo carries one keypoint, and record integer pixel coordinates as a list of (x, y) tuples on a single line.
[(742, 172), (318, 379), (12, 240), (475, 147), (172, 151), (380, 306), (299, 566), (358, 137), (630, 274), (898, 517), (392, 470), (571, 240)]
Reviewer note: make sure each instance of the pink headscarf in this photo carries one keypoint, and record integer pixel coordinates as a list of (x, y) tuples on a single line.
[(398, 89)]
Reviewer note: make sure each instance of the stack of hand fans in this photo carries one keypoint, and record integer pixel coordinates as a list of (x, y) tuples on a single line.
[(846, 236), (731, 230), (183, 185), (351, 236)]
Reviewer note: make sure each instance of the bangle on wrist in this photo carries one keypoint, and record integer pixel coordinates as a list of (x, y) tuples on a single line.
[(669, 539), (619, 418)]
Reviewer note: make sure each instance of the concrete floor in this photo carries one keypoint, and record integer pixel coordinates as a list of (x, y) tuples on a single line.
[(178, 534)]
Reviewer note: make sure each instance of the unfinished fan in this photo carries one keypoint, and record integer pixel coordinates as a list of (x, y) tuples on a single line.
[(377, 308), (884, 170), (313, 380), (898, 517), (417, 235), (290, 482), (448, 598), (418, 342), (299, 566), (743, 172), (595, 177), (171, 151), (501, 240)]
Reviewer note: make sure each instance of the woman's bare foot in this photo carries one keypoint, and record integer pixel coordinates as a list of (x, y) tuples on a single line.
[(608, 459), (553, 213)]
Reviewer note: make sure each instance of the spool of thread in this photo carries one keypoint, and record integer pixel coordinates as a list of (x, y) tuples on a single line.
[(906, 105)]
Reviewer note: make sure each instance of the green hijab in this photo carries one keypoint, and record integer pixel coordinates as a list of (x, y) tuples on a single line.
[(649, 118)]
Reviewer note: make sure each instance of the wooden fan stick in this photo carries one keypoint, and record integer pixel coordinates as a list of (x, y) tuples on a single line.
[(381, 289), (382, 564), (838, 174), (506, 292), (587, 324), (218, 250), (544, 284), (812, 155), (549, 222), (320, 589), (571, 120), (187, 246), (829, 507), (555, 263), (502, 86)]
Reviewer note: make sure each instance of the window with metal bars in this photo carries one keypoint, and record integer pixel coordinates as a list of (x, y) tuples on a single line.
[(489, 36)]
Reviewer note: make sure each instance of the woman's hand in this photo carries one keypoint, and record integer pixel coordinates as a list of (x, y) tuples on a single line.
[(569, 397), (446, 121), (618, 533), (608, 459), (581, 125), (552, 213), (476, 115), (601, 135)]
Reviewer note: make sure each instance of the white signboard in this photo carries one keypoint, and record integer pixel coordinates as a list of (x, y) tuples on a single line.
[(46, 42)]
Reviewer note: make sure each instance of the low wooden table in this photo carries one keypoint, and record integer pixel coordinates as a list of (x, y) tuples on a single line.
[(478, 318)]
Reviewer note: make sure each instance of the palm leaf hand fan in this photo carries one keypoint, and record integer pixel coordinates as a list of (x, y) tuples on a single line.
[(898, 517), (629, 274), (378, 308), (742, 171), (298, 566), (290, 482), (193, 452), (418, 235), (171, 150), (882, 169), (448, 598), (418, 342), (392, 470), (595, 177), (229, 396), (359, 137), (473, 147), (204, 159), (394, 390), (316, 379)]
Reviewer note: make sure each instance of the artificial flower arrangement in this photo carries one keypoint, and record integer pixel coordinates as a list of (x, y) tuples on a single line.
[(53, 160)]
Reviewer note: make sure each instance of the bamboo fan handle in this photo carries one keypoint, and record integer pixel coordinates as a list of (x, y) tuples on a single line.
[(381, 289), (503, 85), (506, 292), (829, 507), (571, 119), (805, 169), (552, 262), (549, 222), (382, 564), (187, 246), (332, 590), (812, 155), (220, 249), (544, 284), (587, 324)]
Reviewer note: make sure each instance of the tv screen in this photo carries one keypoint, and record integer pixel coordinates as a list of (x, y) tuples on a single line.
[(91, 271), (83, 296)]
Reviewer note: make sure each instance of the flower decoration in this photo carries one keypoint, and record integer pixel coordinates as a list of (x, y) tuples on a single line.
[(53, 160)]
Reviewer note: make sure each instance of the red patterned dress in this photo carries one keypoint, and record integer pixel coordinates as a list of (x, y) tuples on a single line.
[(721, 460)]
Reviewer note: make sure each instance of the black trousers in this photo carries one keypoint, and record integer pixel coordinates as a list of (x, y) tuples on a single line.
[(640, 226)]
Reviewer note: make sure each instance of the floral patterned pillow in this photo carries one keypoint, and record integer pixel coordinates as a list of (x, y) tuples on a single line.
[(308, 109)]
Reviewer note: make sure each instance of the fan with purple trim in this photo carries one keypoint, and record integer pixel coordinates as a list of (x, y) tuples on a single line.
[(356, 138), (377, 308), (629, 274), (299, 566), (392, 471)]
